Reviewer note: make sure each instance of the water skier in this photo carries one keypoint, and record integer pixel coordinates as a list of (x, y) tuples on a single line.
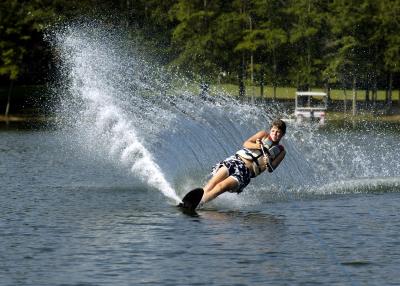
[(261, 152)]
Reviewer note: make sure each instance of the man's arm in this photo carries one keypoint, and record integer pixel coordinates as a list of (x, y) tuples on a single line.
[(251, 143), (275, 163)]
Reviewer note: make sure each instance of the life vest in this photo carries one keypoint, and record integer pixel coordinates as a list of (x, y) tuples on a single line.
[(271, 149)]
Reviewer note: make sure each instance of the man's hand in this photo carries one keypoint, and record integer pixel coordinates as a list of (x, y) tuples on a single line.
[(267, 162), (259, 143)]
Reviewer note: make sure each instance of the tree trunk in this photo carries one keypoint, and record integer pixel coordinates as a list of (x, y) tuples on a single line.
[(389, 101), (242, 90), (261, 81), (328, 92), (9, 99), (354, 96), (375, 91), (274, 68), (344, 100), (252, 77)]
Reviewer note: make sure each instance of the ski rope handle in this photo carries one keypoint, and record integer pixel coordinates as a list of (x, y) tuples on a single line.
[(269, 165)]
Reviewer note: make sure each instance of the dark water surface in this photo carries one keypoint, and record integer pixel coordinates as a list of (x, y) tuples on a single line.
[(70, 220)]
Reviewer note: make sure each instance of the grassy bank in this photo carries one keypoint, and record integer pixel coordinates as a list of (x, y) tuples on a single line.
[(362, 116), (29, 103), (288, 93), (25, 94)]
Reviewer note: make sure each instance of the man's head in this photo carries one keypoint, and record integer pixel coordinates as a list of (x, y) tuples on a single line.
[(278, 130)]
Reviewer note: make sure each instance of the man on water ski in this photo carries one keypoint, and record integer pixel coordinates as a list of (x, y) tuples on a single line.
[(261, 152)]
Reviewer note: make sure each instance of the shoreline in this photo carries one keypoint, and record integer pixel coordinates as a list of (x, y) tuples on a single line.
[(25, 118), (331, 116), (362, 116)]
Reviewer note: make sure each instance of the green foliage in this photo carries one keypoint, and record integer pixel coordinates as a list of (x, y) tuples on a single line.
[(21, 25), (204, 36), (307, 31), (303, 43), (388, 33), (357, 51)]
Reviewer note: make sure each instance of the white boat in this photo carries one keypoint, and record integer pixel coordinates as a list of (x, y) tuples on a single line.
[(310, 105)]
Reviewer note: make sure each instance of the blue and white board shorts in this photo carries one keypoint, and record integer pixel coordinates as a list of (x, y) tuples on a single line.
[(237, 169)]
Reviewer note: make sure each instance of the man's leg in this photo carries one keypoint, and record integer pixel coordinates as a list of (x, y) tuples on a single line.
[(227, 184), (221, 174)]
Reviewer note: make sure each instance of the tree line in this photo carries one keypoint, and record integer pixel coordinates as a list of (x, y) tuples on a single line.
[(301, 43)]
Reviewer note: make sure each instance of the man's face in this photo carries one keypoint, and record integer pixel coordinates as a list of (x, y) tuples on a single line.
[(276, 134)]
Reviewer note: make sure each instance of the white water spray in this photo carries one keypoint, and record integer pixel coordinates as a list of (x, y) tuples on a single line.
[(101, 124)]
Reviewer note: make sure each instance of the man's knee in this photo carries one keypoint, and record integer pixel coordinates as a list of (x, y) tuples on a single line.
[(220, 186), (226, 185)]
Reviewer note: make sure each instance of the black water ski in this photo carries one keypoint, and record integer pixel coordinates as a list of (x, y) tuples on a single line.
[(191, 200)]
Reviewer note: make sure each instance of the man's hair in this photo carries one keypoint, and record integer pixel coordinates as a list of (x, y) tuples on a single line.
[(280, 124)]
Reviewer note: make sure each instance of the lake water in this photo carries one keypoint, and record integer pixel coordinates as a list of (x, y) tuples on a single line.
[(91, 199), (67, 219)]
